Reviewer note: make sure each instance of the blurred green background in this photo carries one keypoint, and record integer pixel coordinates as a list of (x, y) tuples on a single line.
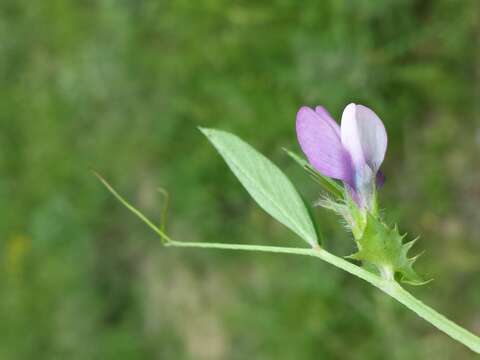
[(120, 86)]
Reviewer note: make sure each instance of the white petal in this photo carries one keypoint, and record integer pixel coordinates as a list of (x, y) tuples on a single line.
[(364, 136), (373, 137), (350, 135)]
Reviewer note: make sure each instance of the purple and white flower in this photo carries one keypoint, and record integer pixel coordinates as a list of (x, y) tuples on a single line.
[(352, 152)]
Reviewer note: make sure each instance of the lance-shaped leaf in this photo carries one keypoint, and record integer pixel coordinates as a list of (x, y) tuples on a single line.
[(265, 182)]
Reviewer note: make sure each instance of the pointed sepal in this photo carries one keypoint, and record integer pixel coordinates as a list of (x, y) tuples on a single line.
[(381, 247), (330, 186)]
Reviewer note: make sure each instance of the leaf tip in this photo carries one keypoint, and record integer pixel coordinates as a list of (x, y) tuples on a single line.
[(205, 131)]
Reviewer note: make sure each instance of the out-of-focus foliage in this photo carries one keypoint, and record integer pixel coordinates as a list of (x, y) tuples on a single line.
[(120, 86)]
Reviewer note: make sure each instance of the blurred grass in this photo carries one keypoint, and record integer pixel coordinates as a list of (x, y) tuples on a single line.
[(120, 86)]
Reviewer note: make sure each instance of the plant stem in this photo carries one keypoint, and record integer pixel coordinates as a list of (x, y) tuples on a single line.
[(390, 287)]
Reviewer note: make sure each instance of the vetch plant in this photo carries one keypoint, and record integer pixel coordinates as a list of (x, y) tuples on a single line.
[(352, 154)]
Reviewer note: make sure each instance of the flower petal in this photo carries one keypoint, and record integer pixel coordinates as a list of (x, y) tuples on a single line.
[(325, 115), (322, 145), (364, 136), (350, 137), (372, 136)]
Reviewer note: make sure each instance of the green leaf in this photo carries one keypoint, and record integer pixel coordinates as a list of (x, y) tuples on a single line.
[(329, 185), (265, 182)]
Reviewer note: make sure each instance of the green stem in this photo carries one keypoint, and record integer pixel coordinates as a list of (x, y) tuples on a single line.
[(455, 331), (318, 252), (388, 286)]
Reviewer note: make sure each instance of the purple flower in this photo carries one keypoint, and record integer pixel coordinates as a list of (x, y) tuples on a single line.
[(351, 153)]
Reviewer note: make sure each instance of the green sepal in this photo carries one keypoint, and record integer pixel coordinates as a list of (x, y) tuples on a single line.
[(329, 185), (382, 247)]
